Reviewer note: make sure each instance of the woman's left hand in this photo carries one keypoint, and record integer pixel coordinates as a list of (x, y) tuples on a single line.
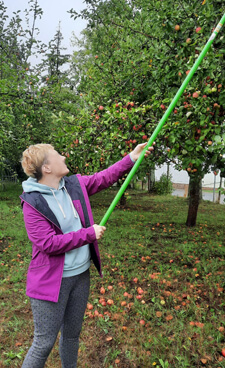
[(138, 149)]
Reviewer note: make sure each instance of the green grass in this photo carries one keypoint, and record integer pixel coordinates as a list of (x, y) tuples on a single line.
[(176, 272)]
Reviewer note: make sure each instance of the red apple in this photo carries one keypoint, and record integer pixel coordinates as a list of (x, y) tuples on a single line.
[(96, 313), (223, 352), (188, 40), (101, 108), (195, 95), (89, 306), (144, 137), (138, 297), (177, 27), (162, 107), (198, 29), (140, 291), (102, 290)]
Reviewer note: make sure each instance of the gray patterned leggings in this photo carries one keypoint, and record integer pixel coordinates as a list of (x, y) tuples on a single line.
[(65, 315)]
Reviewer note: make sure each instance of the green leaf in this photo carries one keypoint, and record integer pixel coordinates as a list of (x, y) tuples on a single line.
[(188, 142), (217, 139)]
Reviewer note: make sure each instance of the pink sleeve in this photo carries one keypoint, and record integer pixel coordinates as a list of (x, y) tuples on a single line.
[(43, 235), (104, 179)]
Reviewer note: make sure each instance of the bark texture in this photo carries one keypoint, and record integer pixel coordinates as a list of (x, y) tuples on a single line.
[(194, 199)]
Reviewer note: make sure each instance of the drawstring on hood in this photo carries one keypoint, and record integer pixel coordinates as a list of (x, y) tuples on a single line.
[(73, 209), (60, 207)]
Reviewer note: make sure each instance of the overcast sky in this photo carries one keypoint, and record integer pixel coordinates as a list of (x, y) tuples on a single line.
[(55, 11)]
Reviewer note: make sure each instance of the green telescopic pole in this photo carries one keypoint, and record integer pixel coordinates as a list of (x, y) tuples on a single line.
[(162, 121)]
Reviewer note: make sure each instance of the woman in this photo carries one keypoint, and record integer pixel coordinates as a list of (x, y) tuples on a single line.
[(59, 223)]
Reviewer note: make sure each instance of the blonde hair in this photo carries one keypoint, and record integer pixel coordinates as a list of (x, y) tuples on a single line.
[(33, 158)]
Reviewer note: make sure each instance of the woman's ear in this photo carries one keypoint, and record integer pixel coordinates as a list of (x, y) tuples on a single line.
[(46, 169)]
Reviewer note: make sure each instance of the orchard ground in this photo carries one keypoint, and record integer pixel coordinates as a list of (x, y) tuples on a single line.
[(161, 301)]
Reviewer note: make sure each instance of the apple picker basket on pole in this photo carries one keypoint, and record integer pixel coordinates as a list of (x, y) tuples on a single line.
[(163, 120)]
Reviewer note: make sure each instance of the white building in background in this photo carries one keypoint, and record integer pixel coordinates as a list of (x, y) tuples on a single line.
[(181, 178)]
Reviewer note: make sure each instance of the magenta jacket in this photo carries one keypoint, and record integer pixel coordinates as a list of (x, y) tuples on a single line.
[(49, 244)]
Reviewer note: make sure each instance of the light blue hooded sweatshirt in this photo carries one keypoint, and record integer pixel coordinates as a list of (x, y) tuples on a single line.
[(77, 260)]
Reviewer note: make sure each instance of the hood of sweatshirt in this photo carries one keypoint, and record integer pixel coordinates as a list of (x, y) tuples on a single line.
[(60, 196), (32, 185)]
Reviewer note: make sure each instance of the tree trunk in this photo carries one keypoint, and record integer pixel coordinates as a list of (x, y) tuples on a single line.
[(151, 179), (194, 199), (168, 170), (123, 200), (219, 194), (200, 190)]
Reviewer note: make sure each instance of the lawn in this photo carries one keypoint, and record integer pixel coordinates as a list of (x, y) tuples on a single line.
[(161, 302)]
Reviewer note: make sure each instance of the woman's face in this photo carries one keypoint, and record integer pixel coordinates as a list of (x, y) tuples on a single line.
[(56, 163)]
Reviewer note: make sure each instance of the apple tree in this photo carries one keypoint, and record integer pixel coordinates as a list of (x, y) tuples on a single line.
[(29, 91), (21, 116), (140, 52)]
